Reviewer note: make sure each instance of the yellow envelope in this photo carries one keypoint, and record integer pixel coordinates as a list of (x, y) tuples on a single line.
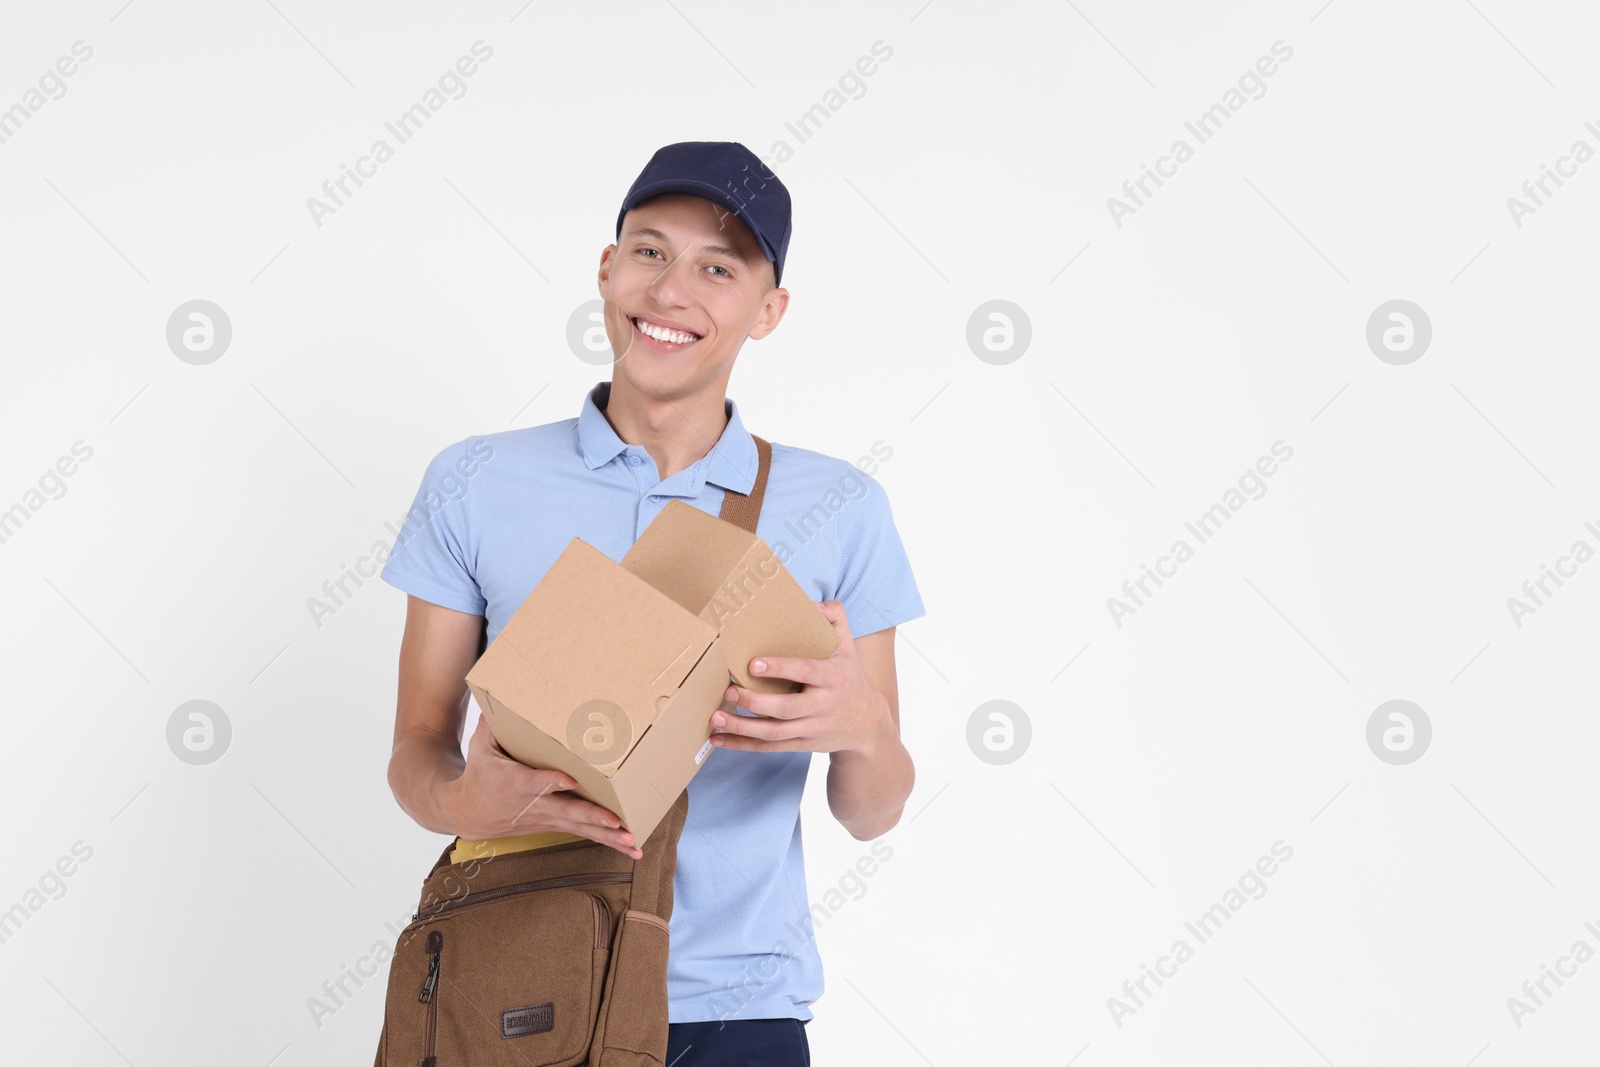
[(499, 846)]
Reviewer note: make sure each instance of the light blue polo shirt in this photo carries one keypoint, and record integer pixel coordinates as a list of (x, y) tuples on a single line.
[(491, 516)]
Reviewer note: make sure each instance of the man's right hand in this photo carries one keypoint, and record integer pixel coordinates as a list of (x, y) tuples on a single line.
[(498, 797)]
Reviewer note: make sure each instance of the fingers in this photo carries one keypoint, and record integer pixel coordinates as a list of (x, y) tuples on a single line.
[(483, 742), (611, 835), (735, 743), (771, 705), (550, 807), (482, 734), (809, 671), (574, 815), (834, 612), (622, 842), (551, 781), (765, 729), (602, 826)]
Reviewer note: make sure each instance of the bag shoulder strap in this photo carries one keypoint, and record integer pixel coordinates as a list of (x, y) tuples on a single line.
[(744, 509)]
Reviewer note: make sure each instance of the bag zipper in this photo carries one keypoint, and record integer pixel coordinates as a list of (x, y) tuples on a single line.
[(602, 924), (483, 897), (430, 986)]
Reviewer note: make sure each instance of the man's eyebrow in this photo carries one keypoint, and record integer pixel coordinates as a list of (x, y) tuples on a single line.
[(716, 250)]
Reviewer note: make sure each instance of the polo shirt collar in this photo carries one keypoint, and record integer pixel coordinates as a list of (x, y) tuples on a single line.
[(731, 463)]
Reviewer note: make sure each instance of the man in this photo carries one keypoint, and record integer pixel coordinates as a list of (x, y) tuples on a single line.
[(701, 242)]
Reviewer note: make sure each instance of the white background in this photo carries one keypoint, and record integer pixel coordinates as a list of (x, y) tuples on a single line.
[(1168, 353)]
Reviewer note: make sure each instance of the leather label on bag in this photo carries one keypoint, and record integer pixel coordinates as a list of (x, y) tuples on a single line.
[(533, 1019)]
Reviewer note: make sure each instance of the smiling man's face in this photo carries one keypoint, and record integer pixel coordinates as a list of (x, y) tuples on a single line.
[(683, 287)]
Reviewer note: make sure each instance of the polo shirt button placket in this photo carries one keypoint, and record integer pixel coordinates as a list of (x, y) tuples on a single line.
[(649, 507)]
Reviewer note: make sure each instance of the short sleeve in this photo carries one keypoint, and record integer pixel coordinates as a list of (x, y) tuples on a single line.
[(433, 553), (876, 585)]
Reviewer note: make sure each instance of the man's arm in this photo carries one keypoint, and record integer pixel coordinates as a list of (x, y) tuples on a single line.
[(867, 788), (488, 794), (438, 648)]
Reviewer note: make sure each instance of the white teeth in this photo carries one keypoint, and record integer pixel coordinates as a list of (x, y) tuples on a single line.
[(676, 337)]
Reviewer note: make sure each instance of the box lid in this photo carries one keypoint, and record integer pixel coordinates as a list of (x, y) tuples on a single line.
[(734, 582)]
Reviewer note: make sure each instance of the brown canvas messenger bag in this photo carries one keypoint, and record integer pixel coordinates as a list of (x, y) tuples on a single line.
[(554, 957)]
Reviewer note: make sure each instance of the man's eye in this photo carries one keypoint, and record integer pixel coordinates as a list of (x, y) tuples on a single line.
[(724, 270), (646, 251)]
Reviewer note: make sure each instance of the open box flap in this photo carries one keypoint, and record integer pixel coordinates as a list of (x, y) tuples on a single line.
[(732, 580)]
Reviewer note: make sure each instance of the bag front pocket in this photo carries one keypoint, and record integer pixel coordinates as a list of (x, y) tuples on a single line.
[(507, 978), (634, 1031)]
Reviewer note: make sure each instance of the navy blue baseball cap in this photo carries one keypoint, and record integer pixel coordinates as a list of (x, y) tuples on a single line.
[(725, 172)]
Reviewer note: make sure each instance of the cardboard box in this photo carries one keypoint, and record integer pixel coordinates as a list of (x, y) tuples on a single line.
[(609, 672)]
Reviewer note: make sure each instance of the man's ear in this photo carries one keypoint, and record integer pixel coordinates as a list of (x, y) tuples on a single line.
[(608, 260), (772, 312)]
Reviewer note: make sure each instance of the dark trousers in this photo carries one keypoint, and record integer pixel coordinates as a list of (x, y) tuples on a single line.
[(739, 1043)]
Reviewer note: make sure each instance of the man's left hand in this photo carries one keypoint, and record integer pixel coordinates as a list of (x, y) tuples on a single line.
[(838, 710)]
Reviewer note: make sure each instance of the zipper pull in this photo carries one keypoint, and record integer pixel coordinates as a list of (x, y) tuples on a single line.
[(429, 982), (435, 943)]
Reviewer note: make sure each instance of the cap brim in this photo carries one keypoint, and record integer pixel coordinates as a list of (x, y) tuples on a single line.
[(705, 191)]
